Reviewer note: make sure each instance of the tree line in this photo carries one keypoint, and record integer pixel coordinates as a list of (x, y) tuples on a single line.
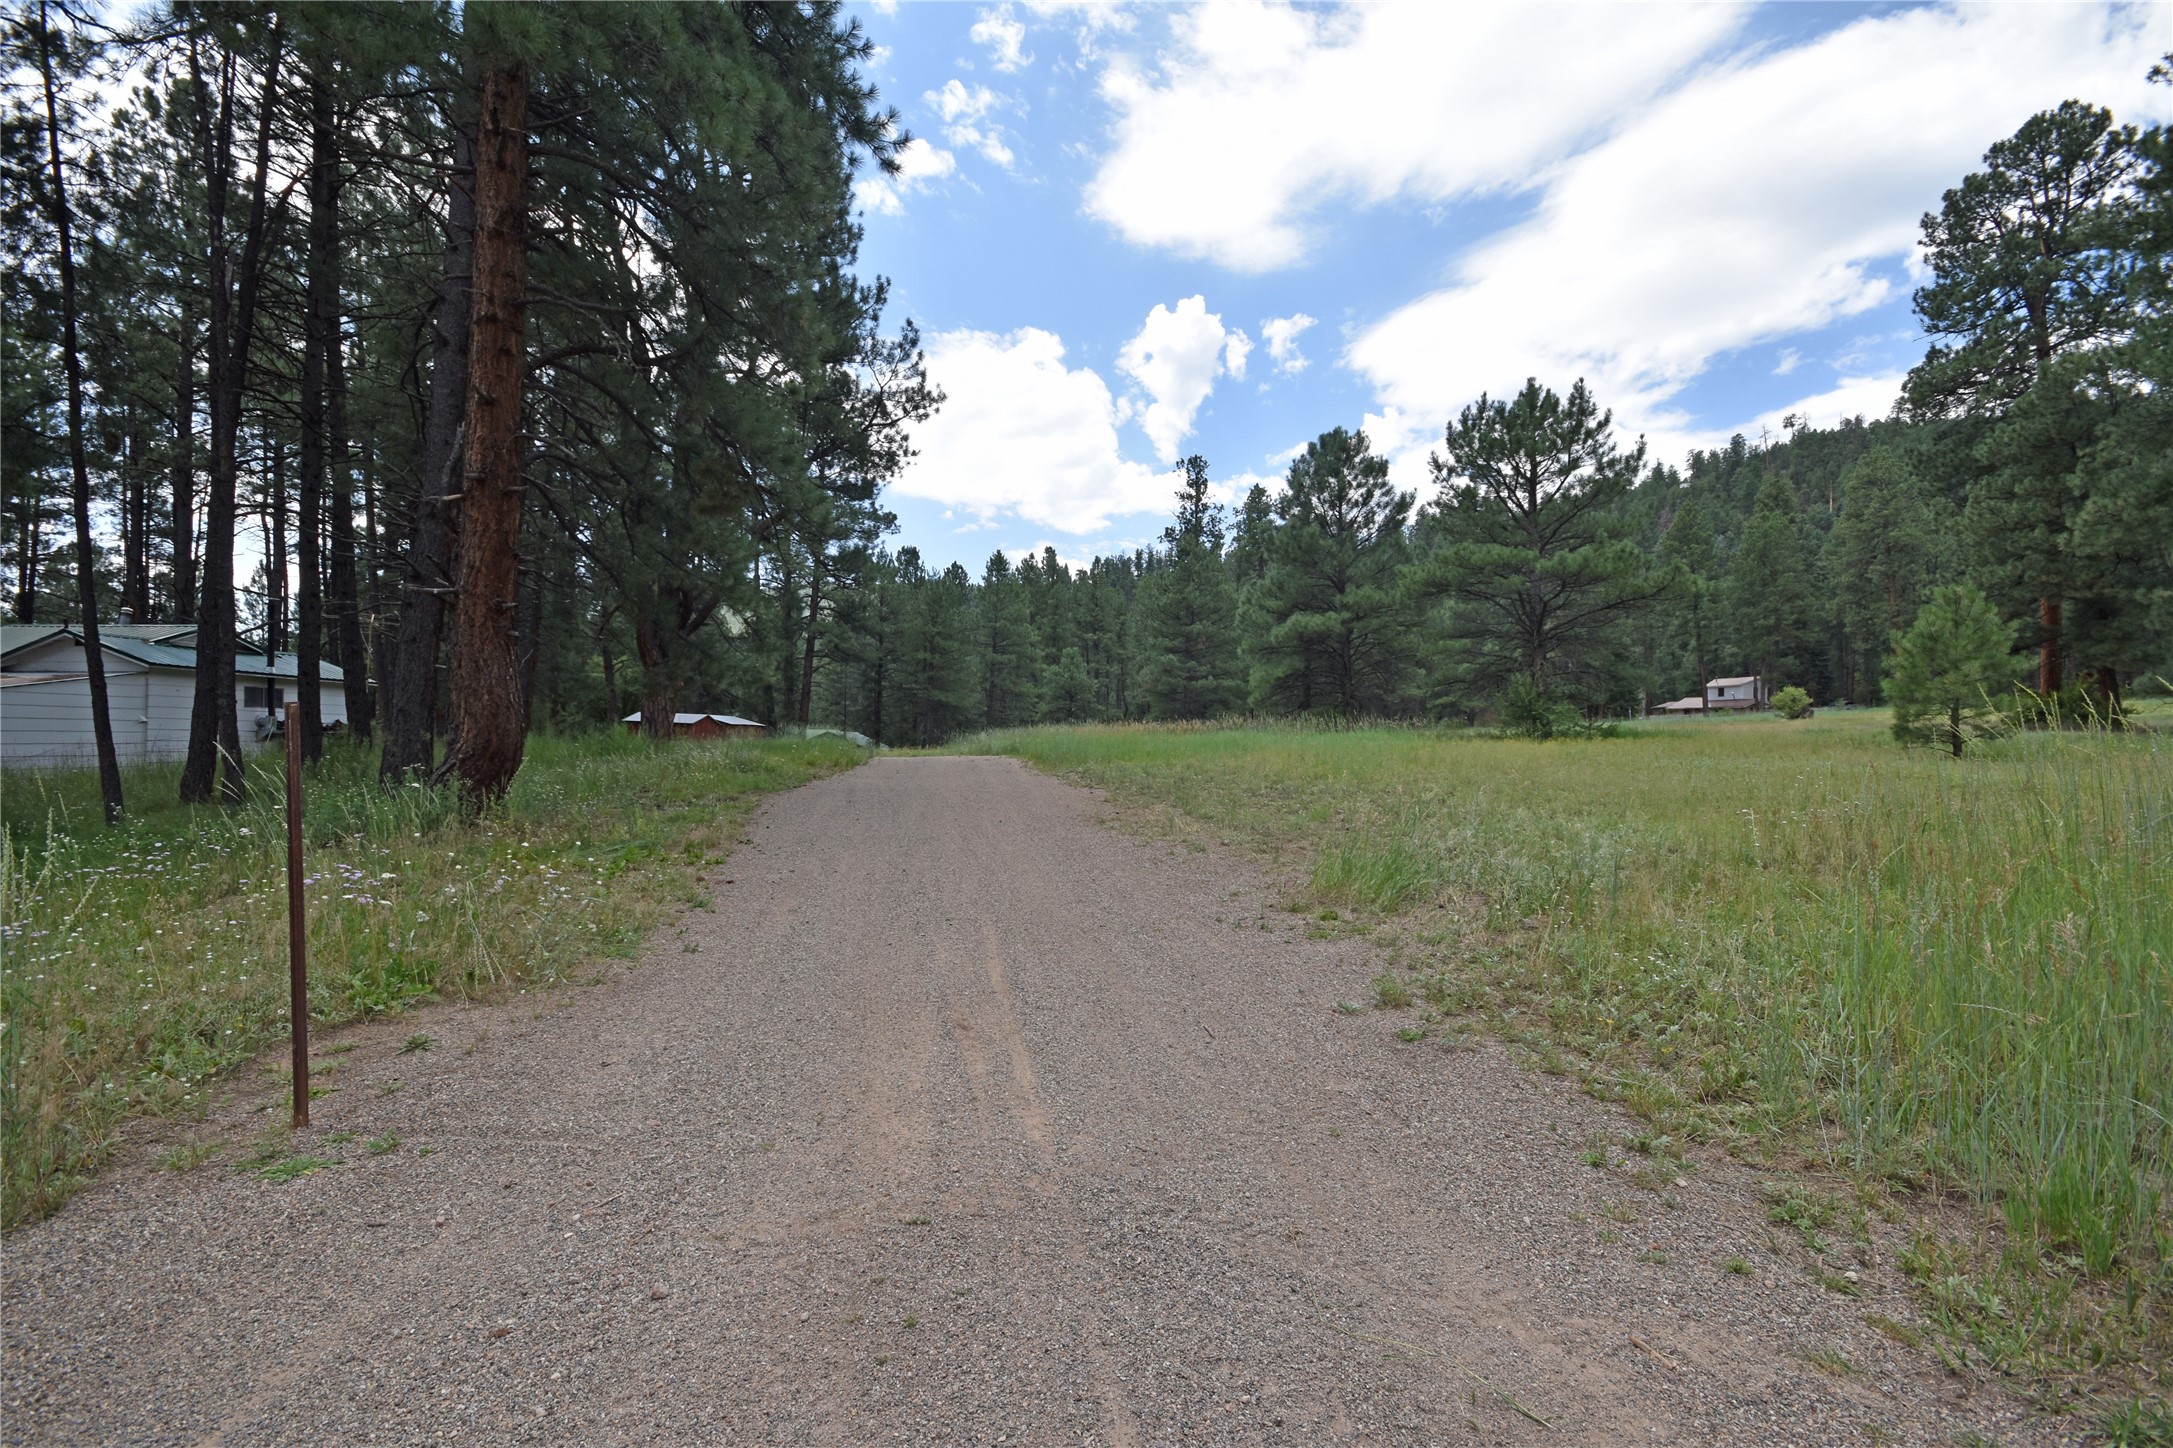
[(2024, 483), (531, 337)]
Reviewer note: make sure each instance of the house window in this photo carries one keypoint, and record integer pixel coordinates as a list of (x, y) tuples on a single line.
[(262, 696)]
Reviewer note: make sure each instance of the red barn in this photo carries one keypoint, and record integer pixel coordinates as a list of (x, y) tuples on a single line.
[(704, 726)]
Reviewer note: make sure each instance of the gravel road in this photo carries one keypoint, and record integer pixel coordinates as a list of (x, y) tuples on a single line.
[(958, 1117)]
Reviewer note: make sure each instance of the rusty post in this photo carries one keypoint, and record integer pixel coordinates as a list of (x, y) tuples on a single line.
[(297, 920)]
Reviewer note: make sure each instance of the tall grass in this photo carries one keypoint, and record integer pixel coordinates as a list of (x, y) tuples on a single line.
[(144, 962), (1794, 935)]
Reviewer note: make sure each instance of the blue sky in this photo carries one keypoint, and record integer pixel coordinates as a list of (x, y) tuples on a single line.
[(1130, 233)]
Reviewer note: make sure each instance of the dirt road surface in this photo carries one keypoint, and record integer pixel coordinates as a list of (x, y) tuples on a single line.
[(959, 1118)]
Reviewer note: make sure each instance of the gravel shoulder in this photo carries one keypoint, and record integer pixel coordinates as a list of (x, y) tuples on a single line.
[(955, 1117)]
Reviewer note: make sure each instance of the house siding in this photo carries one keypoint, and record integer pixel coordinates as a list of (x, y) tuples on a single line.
[(48, 725)]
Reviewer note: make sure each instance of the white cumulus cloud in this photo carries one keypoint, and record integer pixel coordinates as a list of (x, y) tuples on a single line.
[(1176, 357), (965, 111), (1281, 334), (1261, 114), (920, 165), (1867, 397), (1236, 347), (1769, 196), (1021, 434), (1005, 36)]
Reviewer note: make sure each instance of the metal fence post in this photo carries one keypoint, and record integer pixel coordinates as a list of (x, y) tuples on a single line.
[(297, 920)]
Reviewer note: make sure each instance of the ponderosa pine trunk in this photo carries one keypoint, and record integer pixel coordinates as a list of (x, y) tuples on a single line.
[(2048, 652), (320, 318), (410, 676), (184, 474), (659, 686), (486, 738), (807, 662), (135, 525), (214, 757), (86, 573)]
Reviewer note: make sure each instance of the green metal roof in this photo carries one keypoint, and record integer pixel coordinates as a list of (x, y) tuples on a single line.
[(143, 643), (15, 636)]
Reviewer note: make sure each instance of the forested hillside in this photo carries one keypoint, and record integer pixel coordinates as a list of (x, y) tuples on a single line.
[(528, 344)]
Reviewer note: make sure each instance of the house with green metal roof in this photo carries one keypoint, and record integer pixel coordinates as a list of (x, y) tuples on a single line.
[(45, 700)]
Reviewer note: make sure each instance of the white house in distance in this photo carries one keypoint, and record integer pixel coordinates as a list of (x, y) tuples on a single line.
[(45, 696), (1722, 696)]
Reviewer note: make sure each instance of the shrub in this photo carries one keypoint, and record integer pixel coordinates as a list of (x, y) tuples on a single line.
[(1537, 713), (1792, 703), (1534, 712)]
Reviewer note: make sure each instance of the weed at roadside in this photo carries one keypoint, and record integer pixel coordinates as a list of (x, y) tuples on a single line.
[(145, 962), (1794, 940)]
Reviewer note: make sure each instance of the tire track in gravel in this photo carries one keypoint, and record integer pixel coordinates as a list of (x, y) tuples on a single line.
[(1000, 1019), (956, 1118)]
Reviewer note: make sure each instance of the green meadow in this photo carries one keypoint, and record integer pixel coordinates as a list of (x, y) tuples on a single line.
[(144, 963), (1792, 938)]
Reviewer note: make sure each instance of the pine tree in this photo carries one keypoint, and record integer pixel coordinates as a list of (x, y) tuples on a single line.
[(1338, 634), (236, 284), (2028, 260), (1534, 574), (63, 217), (1690, 549), (1071, 691), (1884, 554), (1010, 654), (1252, 539), (1188, 611), (487, 727), (1772, 593), (935, 690), (1946, 672)]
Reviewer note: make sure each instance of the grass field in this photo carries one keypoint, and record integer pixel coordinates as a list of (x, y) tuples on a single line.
[(1795, 938), (141, 963)]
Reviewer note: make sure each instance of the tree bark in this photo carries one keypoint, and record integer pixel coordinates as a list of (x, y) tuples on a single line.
[(320, 320), (2048, 651), (184, 476), (86, 573), (788, 665), (659, 687), (214, 728), (807, 662), (135, 525), (2107, 679), (486, 737), (411, 658)]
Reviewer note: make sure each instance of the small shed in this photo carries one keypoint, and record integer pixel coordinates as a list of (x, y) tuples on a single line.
[(703, 726), (1747, 692), (1695, 704)]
